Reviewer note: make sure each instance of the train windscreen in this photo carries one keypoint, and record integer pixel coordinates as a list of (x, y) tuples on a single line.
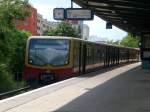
[(53, 52)]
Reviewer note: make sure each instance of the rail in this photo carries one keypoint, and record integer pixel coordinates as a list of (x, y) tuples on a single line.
[(14, 92)]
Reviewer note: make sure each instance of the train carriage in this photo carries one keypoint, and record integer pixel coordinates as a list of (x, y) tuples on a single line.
[(57, 58), (47, 57)]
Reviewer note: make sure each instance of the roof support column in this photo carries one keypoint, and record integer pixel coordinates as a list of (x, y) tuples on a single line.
[(145, 50)]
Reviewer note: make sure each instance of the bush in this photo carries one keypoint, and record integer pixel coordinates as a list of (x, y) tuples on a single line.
[(12, 55), (6, 81), (12, 41), (16, 62)]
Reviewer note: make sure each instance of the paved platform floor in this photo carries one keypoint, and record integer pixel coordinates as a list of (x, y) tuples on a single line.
[(124, 89)]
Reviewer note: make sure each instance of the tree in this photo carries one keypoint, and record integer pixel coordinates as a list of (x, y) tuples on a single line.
[(11, 10), (10, 39), (51, 32), (130, 41), (18, 55), (112, 42), (63, 29)]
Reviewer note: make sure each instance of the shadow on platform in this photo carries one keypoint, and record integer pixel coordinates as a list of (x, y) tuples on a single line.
[(128, 92)]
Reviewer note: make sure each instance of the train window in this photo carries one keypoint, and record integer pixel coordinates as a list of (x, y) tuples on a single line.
[(99, 55), (92, 55), (96, 55), (88, 56), (53, 52), (103, 51)]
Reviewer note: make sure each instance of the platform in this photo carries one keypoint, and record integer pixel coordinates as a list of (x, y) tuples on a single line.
[(122, 89)]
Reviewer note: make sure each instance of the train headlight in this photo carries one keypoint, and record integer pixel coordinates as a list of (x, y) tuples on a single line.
[(30, 61), (66, 62), (48, 71)]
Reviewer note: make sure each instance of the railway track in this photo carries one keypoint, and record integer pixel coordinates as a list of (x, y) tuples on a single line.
[(14, 92)]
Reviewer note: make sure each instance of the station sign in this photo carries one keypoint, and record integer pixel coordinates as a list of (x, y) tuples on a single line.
[(73, 14), (79, 14)]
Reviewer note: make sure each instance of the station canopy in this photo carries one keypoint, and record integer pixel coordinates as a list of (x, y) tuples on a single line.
[(130, 15)]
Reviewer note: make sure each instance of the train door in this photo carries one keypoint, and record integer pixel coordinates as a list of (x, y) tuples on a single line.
[(108, 56), (77, 57), (118, 56), (105, 57), (83, 58), (80, 58), (128, 55)]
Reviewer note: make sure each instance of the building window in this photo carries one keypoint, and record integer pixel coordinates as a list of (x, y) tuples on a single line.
[(44, 25), (17, 22), (26, 23), (38, 28), (50, 28)]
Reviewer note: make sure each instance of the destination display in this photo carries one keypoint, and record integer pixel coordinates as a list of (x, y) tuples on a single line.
[(79, 14)]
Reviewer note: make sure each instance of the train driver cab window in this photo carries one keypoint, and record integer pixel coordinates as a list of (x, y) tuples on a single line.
[(54, 52)]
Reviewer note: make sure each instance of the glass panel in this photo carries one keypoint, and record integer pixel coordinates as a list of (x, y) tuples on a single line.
[(53, 52)]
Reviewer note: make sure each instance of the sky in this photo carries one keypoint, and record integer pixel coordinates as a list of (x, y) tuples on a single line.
[(97, 26)]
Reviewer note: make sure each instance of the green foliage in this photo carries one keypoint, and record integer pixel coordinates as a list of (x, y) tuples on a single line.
[(12, 41), (51, 32), (6, 81), (12, 54), (11, 10), (12, 57), (127, 41), (63, 29), (18, 53), (130, 41), (112, 42)]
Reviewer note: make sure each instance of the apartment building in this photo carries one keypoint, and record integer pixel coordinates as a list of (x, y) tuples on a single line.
[(29, 24), (44, 24)]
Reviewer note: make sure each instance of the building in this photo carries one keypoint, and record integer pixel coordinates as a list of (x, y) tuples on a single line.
[(85, 32), (39, 24), (44, 24), (30, 23), (35, 24)]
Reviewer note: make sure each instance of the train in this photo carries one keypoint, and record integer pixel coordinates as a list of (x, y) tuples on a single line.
[(55, 58)]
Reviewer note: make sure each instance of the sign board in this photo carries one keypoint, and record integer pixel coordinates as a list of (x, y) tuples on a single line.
[(79, 14), (73, 14), (59, 13)]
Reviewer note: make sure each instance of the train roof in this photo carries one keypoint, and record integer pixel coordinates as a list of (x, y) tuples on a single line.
[(54, 37), (72, 38)]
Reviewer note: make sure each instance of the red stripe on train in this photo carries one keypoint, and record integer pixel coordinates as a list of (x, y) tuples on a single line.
[(60, 73)]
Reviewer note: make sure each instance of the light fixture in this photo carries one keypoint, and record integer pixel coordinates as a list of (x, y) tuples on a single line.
[(108, 25)]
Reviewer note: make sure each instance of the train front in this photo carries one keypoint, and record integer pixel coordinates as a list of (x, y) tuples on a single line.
[(47, 59)]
